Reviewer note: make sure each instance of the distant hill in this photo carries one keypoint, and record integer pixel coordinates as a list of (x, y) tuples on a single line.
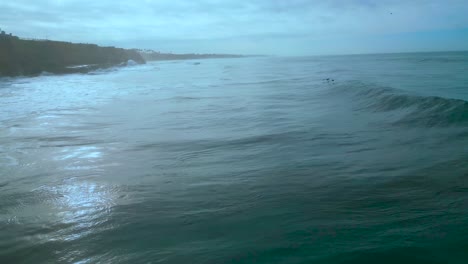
[(150, 55), (32, 57)]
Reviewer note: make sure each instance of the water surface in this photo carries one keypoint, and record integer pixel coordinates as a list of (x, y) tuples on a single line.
[(255, 160)]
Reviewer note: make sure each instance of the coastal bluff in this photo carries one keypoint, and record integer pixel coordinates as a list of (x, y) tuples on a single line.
[(32, 57)]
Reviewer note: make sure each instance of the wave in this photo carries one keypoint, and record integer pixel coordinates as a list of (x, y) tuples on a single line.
[(415, 109), (422, 60), (430, 57), (441, 60)]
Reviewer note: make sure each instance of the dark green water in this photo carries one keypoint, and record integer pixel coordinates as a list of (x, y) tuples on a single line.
[(256, 160)]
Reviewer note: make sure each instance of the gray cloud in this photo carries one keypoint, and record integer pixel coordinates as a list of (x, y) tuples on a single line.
[(206, 25)]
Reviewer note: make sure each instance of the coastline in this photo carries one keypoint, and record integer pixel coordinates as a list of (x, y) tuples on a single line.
[(150, 55), (27, 57), (20, 57)]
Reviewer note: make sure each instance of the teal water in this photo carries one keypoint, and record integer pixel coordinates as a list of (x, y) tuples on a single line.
[(255, 160)]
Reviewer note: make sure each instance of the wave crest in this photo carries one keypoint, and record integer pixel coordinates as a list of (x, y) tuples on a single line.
[(416, 109)]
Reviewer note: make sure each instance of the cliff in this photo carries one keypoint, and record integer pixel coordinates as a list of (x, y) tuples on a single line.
[(31, 57)]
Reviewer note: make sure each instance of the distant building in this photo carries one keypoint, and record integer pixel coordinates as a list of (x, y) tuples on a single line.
[(4, 35)]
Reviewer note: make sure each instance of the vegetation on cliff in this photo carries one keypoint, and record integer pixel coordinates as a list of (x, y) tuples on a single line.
[(31, 57)]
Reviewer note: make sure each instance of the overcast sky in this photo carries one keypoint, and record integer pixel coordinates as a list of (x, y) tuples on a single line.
[(281, 27)]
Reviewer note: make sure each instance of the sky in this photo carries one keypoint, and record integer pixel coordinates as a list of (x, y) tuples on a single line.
[(273, 27)]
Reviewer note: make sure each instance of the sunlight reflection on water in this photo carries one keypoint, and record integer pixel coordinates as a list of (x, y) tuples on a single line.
[(84, 207), (87, 152)]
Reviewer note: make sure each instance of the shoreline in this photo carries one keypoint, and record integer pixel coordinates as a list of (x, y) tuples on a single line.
[(27, 57), (19, 57)]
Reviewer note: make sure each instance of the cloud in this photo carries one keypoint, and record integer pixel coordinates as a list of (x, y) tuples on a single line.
[(182, 23)]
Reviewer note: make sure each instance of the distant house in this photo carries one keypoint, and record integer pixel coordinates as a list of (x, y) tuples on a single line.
[(4, 35)]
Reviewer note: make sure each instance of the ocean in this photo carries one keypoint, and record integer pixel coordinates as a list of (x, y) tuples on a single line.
[(326, 159)]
